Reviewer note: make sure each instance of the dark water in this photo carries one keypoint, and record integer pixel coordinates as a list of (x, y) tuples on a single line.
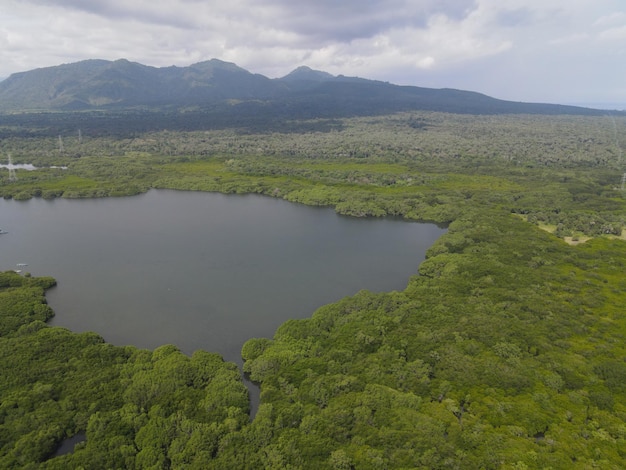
[(201, 270), (68, 445)]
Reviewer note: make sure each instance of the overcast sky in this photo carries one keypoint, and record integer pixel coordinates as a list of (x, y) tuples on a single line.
[(558, 51)]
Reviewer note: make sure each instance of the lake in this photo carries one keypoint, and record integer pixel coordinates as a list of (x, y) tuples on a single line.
[(201, 270)]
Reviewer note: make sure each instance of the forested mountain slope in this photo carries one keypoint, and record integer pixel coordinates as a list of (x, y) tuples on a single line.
[(304, 93)]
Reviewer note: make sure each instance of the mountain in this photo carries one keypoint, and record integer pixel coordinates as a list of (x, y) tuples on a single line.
[(121, 84), (307, 74), (305, 77), (303, 93)]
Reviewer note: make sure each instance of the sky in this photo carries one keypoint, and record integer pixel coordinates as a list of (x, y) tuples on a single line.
[(555, 51)]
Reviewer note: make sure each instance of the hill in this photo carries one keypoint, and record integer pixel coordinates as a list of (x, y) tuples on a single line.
[(304, 93), (121, 84)]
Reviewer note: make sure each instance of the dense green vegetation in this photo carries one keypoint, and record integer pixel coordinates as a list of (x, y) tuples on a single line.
[(507, 351)]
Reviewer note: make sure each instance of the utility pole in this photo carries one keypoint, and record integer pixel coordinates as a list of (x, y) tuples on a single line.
[(12, 175)]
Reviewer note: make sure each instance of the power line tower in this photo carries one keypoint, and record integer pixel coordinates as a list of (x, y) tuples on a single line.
[(623, 181), (12, 175)]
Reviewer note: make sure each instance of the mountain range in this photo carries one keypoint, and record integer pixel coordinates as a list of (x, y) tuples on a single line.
[(303, 93)]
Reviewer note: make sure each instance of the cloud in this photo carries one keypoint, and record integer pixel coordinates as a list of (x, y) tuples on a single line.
[(329, 20), (515, 17), (616, 18), (325, 20), (613, 34)]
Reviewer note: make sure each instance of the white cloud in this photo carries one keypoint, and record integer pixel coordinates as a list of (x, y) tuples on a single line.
[(613, 34), (570, 40), (616, 18)]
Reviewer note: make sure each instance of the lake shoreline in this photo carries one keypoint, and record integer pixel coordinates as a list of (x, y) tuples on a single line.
[(185, 261)]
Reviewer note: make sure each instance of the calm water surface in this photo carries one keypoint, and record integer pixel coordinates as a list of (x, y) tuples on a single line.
[(201, 270)]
